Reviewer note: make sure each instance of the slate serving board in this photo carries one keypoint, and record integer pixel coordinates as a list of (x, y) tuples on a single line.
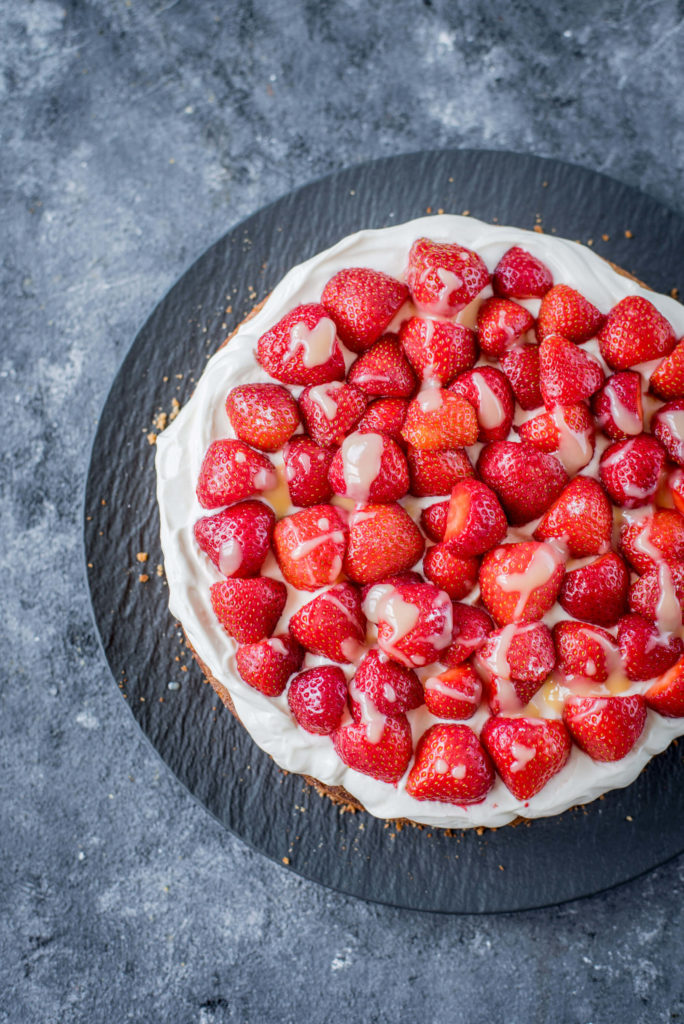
[(548, 861)]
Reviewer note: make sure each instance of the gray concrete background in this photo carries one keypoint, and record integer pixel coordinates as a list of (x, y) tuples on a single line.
[(133, 134)]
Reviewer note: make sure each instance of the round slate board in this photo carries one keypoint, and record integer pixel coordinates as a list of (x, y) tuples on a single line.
[(548, 861)]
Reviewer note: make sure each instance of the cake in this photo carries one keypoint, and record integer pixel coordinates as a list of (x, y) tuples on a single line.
[(423, 523)]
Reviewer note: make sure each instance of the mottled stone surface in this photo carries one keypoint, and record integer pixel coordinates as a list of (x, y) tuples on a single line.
[(132, 135)]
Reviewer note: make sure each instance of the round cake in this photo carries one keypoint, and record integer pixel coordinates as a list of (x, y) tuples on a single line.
[(423, 523)]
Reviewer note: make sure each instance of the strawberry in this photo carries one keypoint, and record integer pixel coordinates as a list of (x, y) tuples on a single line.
[(630, 470), (268, 664), (525, 480), (438, 350), (520, 275), (400, 577), (231, 471), (415, 621), (237, 539), (263, 415), (581, 518), (392, 689), (302, 348), (667, 380), (488, 391), (383, 370), (667, 425), (362, 302), (433, 519), (448, 571), (451, 767), (306, 471), (565, 311), (500, 324), (657, 593), (376, 745), (443, 277), (675, 488), (310, 546), (522, 653), (385, 416), (521, 366), (436, 420), (568, 432), (635, 332), (605, 728), (332, 624), (527, 752), (585, 650), (666, 695), (318, 698), (433, 473), (369, 467), (596, 592), (472, 626), (567, 374), (646, 542), (475, 519), (617, 405), (520, 582), (331, 411), (248, 609), (383, 540), (645, 651), (455, 693)]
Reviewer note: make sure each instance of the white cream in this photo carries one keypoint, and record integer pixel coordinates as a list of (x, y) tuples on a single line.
[(317, 344), (361, 462)]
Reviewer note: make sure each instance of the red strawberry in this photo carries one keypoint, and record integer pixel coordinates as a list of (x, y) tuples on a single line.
[(525, 479), (415, 621), (302, 348), (475, 519), (646, 652), (520, 582), (385, 416), (448, 571), (268, 664), (455, 693), (472, 626), (566, 373), (306, 471), (568, 432), (666, 695), (331, 411), (310, 546), (231, 471), (391, 688), (248, 609), (369, 467), (581, 518), (520, 275), (384, 370), (383, 540), (450, 767), (436, 420), (318, 698), (667, 380), (527, 752), (668, 427), (399, 577), (658, 593), (514, 662), (332, 624), (675, 488), (488, 391), (263, 415), (500, 323), (433, 519), (521, 366), (605, 728), (617, 405), (438, 350), (597, 592), (635, 332), (586, 650), (443, 277), (630, 470), (433, 473), (376, 745), (362, 302), (565, 311), (238, 539), (646, 542)]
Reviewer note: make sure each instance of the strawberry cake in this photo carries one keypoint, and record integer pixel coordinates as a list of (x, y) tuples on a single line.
[(423, 523)]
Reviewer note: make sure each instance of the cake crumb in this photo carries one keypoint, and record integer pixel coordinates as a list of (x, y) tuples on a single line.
[(160, 421), (428, 209), (151, 438), (465, 213), (160, 570), (286, 860), (143, 577), (440, 211), (629, 234), (175, 409), (539, 229), (165, 380), (674, 292), (629, 817), (590, 241), (142, 556), (545, 184), (480, 830), (606, 238), (501, 867)]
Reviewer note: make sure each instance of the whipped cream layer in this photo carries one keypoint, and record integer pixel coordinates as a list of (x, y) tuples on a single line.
[(190, 574)]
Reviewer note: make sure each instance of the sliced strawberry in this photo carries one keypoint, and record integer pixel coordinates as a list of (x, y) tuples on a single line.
[(521, 366), (415, 621), (666, 695), (438, 350), (605, 728), (383, 540), (500, 324), (433, 519), (434, 473), (520, 582), (565, 311), (443, 278), (332, 624), (376, 745), (369, 467), (310, 546), (231, 471), (675, 488), (451, 767), (448, 571), (581, 518), (362, 302), (385, 416), (567, 374), (645, 651), (263, 415), (635, 332), (514, 662), (237, 539), (384, 370), (630, 470), (667, 380), (437, 420), (318, 698), (648, 541), (527, 752), (331, 411), (617, 405), (472, 626), (659, 595), (520, 275), (525, 479), (302, 348), (268, 664), (488, 391), (248, 609), (475, 519), (392, 689), (586, 650), (597, 592), (668, 427), (568, 432), (306, 471), (454, 693)]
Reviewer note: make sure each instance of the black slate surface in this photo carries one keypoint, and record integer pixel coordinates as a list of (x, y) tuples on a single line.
[(133, 135)]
